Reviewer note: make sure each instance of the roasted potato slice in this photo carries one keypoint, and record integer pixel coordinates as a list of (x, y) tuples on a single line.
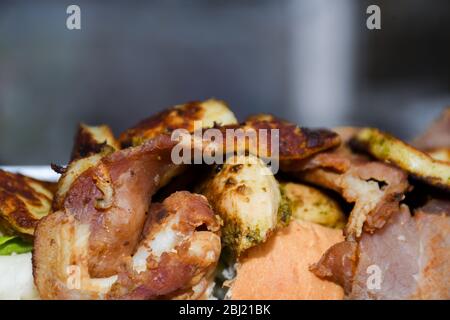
[(417, 163), (90, 140), (209, 112), (23, 202), (92, 143), (247, 197), (295, 143), (72, 172), (310, 204)]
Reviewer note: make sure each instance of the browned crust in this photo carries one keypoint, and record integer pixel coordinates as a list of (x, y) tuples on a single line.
[(163, 123), (295, 142), (18, 198), (87, 143)]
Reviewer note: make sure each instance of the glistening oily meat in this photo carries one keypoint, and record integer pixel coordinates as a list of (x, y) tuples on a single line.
[(101, 207), (175, 256), (409, 258), (374, 187), (98, 228)]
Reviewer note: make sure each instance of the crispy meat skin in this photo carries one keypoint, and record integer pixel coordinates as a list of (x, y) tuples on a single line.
[(133, 176), (166, 266), (23, 201), (177, 269), (412, 254), (106, 205)]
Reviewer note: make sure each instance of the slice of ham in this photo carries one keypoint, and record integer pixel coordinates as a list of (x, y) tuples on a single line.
[(409, 258)]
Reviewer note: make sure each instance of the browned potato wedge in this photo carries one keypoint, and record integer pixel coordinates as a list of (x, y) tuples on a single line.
[(183, 116), (91, 144), (23, 202), (310, 204), (72, 172), (417, 163), (247, 197), (295, 143), (90, 140)]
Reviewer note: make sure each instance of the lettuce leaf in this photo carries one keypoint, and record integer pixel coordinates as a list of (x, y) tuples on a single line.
[(14, 244)]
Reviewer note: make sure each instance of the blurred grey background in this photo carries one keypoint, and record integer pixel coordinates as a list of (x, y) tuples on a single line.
[(310, 61)]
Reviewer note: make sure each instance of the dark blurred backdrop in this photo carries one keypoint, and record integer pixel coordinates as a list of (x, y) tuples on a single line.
[(311, 61)]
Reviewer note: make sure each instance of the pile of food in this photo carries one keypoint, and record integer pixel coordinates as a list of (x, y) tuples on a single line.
[(352, 213)]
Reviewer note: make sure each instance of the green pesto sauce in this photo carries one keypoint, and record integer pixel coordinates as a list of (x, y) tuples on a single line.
[(285, 209)]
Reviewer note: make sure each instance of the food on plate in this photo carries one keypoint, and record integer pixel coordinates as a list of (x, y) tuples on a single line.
[(344, 217), (172, 254), (392, 150), (375, 188), (208, 113), (311, 204), (407, 259), (23, 202), (295, 143), (91, 140), (14, 245), (247, 197), (279, 268)]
